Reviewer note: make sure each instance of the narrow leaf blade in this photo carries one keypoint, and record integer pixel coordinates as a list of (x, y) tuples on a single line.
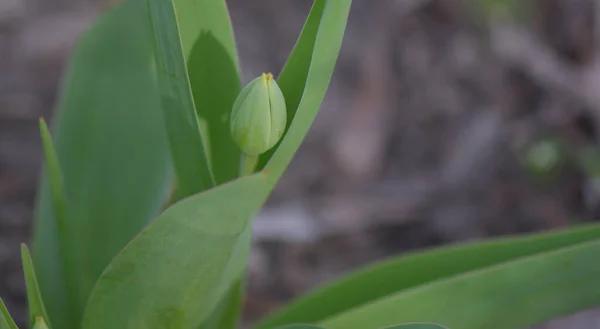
[(34, 297), (6, 321), (325, 50), (513, 295), (55, 180), (187, 140), (200, 244), (59, 208), (292, 79), (420, 268)]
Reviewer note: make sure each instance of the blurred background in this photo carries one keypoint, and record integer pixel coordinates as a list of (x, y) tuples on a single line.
[(447, 121)]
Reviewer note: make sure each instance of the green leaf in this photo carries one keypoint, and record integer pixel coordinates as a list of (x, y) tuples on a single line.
[(35, 302), (304, 85), (6, 321), (197, 97), (292, 80), (201, 243), (209, 46), (175, 272), (55, 181), (417, 326), (187, 143), (197, 100), (113, 153), (59, 208), (420, 268), (512, 295), (227, 313)]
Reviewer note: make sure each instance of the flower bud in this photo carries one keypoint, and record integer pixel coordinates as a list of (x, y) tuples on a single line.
[(258, 118)]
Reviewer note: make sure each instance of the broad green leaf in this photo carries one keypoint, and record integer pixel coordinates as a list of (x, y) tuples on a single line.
[(114, 156), (420, 268), (417, 326), (35, 301), (175, 272), (6, 321), (331, 17), (228, 311), (207, 260), (512, 295)]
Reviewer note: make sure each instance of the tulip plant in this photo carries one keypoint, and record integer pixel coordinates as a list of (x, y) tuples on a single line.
[(160, 160)]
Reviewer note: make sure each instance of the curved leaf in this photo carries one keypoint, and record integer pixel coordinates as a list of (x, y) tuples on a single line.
[(35, 302), (512, 295), (177, 270), (409, 271), (113, 153), (6, 321), (292, 79), (309, 81)]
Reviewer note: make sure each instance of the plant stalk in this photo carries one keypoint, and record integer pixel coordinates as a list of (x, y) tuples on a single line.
[(248, 164)]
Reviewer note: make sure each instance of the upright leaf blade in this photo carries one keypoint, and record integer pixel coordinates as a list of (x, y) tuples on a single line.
[(35, 302), (187, 140), (114, 154), (420, 268), (55, 180), (6, 321), (59, 208), (209, 46), (177, 270), (325, 50), (198, 97), (513, 295), (292, 79)]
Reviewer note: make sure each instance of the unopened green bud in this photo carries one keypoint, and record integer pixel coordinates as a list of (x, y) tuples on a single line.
[(258, 117)]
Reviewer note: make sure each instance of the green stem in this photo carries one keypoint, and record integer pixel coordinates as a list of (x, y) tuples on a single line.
[(248, 165)]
